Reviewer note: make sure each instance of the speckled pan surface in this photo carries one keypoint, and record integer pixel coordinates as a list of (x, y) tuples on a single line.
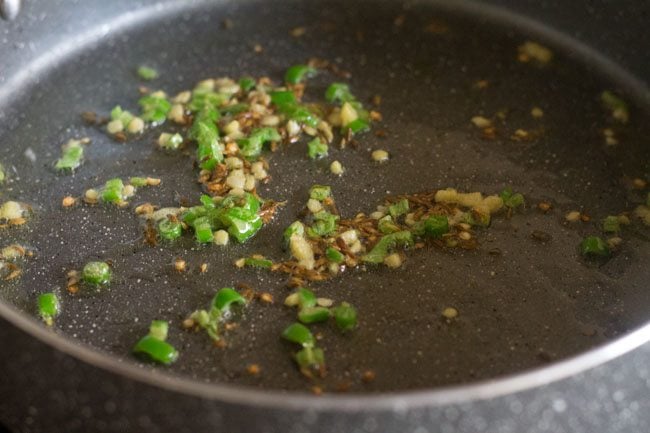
[(532, 304)]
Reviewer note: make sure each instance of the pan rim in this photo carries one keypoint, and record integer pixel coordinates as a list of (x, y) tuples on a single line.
[(398, 400), (298, 401)]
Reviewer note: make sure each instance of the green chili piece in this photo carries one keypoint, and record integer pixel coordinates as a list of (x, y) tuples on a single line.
[(295, 228), (594, 247), (258, 263), (173, 143), (283, 98), (614, 103), (313, 315), (300, 114), (48, 307), (247, 84), (169, 229), (317, 149), (154, 108), (112, 192), (227, 297), (338, 92), (251, 203), (325, 224), (345, 316), (310, 358), (334, 255), (611, 224), (298, 73), (204, 130), (477, 217), (399, 208), (320, 192), (299, 334), (207, 201), (306, 298), (138, 181), (386, 225), (96, 273), (436, 225), (71, 158), (122, 115), (252, 146), (147, 73), (159, 329), (203, 230), (156, 350), (386, 243), (242, 223), (204, 98), (357, 126), (510, 199)]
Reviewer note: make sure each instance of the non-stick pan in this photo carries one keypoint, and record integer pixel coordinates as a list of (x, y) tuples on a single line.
[(527, 302)]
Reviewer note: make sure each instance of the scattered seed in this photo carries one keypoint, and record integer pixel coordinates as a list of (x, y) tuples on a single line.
[(266, 297), (537, 113), (180, 265), (639, 183), (298, 32), (203, 268), (368, 376), (572, 216), (544, 206), (450, 313), (464, 236), (380, 155), (481, 122), (253, 369), (68, 201)]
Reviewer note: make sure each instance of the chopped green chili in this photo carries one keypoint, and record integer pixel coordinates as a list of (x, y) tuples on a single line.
[(156, 350), (247, 84), (96, 273), (477, 217), (334, 255), (358, 126), (138, 181), (510, 199), (204, 130), (306, 298), (399, 208), (154, 108), (338, 92), (310, 358), (345, 316), (48, 307), (385, 244), (123, 116), (317, 148), (173, 142), (614, 104), (204, 98), (436, 225), (169, 229), (594, 247), (242, 223), (611, 224), (283, 98), (320, 192), (298, 73), (252, 146), (295, 228), (313, 315), (147, 73), (72, 154), (386, 225), (258, 263), (299, 334), (112, 192), (203, 230), (288, 105), (227, 297), (324, 225), (159, 329)]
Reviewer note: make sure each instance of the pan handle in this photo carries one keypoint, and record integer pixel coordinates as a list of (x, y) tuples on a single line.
[(9, 9)]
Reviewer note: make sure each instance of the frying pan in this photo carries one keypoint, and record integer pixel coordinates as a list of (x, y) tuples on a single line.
[(533, 308)]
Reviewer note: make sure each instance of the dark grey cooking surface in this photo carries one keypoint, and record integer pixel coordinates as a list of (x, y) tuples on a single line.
[(608, 301)]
